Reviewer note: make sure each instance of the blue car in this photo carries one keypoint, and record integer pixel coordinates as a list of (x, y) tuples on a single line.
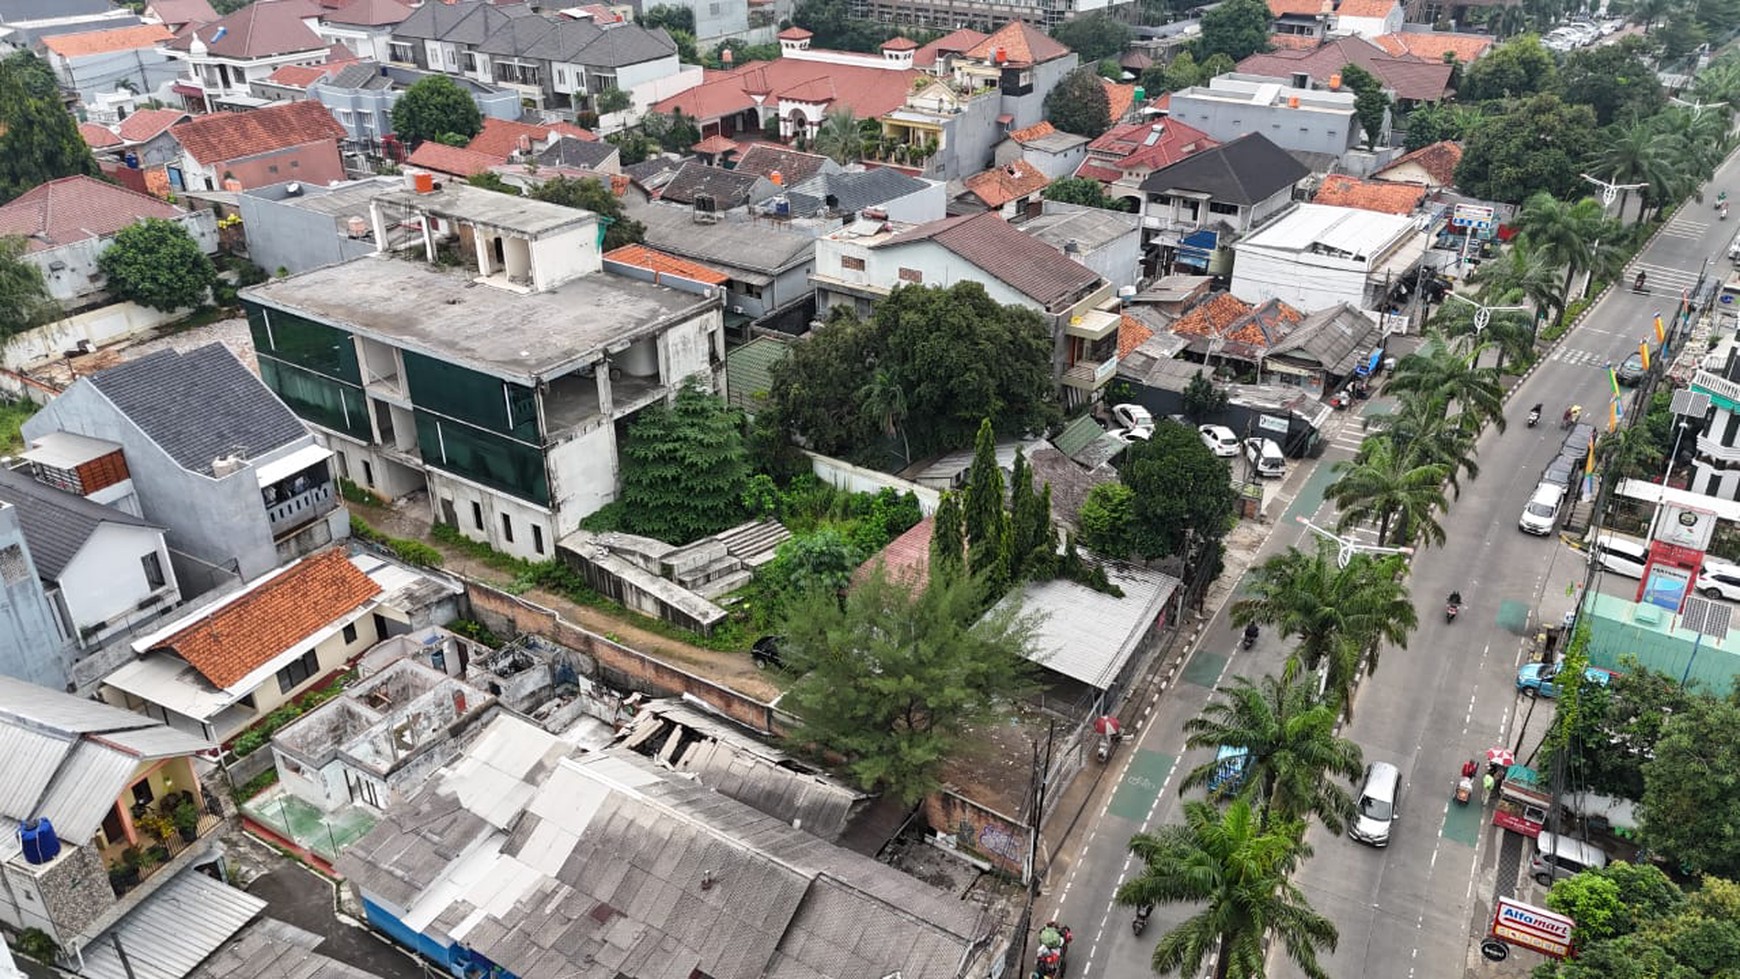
[(1541, 680), (1231, 765)]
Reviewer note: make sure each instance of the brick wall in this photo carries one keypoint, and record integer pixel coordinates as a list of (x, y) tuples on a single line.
[(989, 835)]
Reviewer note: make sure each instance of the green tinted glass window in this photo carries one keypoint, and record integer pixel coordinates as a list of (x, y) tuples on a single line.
[(303, 342), (490, 459), (471, 396), (318, 399)]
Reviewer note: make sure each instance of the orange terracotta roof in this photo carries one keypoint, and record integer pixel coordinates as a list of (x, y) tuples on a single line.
[(1343, 190), (1119, 98), (1213, 316), (960, 41), (453, 160), (147, 123), (299, 76), (653, 260), (104, 42), (1439, 160), (1265, 325), (906, 559), (716, 144), (1376, 9), (900, 42), (795, 33), (1132, 333), (868, 92), (1293, 42), (1308, 8), (224, 136), (248, 632), (1011, 181), (98, 137), (1038, 130), (1433, 46), (501, 137), (1020, 43)]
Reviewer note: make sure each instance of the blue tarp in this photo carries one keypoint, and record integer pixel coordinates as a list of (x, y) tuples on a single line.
[(1365, 369)]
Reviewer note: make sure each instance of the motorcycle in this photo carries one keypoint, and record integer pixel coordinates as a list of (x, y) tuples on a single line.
[(1104, 751), (1534, 416), (1250, 637), (1452, 607), (1637, 285), (1139, 923)]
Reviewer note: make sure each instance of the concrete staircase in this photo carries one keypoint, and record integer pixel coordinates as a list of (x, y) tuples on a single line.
[(720, 564)]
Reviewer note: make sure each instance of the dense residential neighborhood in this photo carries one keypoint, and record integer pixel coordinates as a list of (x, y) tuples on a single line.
[(802, 489)]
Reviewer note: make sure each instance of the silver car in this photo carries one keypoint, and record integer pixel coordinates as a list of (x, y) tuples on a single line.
[(1378, 804)]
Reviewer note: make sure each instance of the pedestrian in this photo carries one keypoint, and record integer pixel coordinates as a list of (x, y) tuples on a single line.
[(1487, 783)]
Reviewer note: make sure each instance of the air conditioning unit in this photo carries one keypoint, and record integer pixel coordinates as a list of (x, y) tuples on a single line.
[(738, 310)]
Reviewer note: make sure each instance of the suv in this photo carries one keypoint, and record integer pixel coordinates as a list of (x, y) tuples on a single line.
[(1632, 371), (1377, 804), (1220, 440)]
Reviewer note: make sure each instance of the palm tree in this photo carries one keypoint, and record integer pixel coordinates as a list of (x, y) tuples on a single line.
[(1509, 332), (1630, 452), (1292, 749), (1440, 374), (1525, 273), (884, 400), (1381, 485), (1419, 433), (1340, 614), (839, 138), (1235, 868), (1637, 152), (1559, 231)]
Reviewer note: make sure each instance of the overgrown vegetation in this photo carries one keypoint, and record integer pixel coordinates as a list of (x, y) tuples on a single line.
[(260, 735), (405, 549), (258, 784)]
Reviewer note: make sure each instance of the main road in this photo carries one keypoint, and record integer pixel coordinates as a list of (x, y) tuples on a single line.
[(1409, 910)]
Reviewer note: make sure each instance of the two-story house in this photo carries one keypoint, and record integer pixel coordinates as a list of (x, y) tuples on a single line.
[(361, 96), (554, 63), (482, 356), (1409, 78), (1123, 156), (237, 150), (1054, 152), (34, 647), (769, 266), (1194, 208), (225, 55), (68, 223), (1303, 120), (364, 27), (96, 63), (865, 261), (1023, 64), (1007, 190), (236, 479)]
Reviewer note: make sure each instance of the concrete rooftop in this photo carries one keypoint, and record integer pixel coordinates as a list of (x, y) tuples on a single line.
[(508, 212), (446, 314)]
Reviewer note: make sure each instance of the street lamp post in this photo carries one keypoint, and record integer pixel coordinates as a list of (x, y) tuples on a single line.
[(1696, 107), (1483, 315), (1345, 549)]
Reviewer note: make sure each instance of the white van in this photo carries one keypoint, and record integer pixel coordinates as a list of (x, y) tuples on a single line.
[(1557, 857), (1378, 804), (1541, 514), (1619, 553), (1266, 457)]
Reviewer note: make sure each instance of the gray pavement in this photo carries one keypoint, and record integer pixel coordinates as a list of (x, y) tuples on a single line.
[(1416, 908)]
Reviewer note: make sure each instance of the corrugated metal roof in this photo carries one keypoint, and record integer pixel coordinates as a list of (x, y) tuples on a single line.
[(63, 712), (32, 757), (273, 949), (175, 929), (149, 743), (1089, 635), (1077, 435), (85, 789)]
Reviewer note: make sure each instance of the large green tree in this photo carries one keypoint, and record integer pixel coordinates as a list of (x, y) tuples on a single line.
[(24, 298), (1434, 122), (1084, 191), (1371, 104), (839, 138), (1536, 145), (1518, 68), (39, 139), (1438, 373), (1108, 520), (835, 28), (1633, 922), (1180, 489), (893, 678), (591, 194), (1235, 28), (1691, 809), (957, 355), (1079, 104), (684, 468), (1563, 232), (1232, 869), (1093, 37), (1340, 615), (156, 263), (433, 107), (1380, 487), (1613, 80), (1298, 767)]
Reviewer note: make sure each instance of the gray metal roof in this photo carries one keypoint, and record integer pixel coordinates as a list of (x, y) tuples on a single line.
[(852, 192), (199, 405), (85, 788), (273, 949), (173, 930), (1333, 339), (13, 11), (466, 22), (755, 246), (570, 152), (56, 523), (51, 710), (1089, 635), (1089, 227), (728, 188)]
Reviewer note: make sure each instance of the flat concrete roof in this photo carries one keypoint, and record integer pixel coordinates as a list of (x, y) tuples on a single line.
[(446, 314), (508, 212), (344, 200)]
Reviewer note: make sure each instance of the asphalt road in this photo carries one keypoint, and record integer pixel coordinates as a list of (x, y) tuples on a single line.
[(1408, 910)]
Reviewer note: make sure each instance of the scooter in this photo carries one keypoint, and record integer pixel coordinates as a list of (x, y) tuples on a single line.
[(1250, 638), (1104, 751), (1139, 923), (1451, 607), (1534, 416)]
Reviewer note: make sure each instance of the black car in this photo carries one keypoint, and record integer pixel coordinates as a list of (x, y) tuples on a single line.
[(1631, 372), (766, 652)]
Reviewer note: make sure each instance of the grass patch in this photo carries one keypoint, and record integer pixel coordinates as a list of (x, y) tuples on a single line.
[(405, 549), (353, 493), (476, 632), (13, 415), (258, 784), (257, 737)]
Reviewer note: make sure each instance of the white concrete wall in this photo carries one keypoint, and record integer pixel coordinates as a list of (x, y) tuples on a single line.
[(1259, 275), (584, 471), (322, 787), (920, 206), (522, 515), (101, 326), (565, 257), (882, 268), (686, 349), (79, 279), (631, 77), (106, 580), (856, 479)]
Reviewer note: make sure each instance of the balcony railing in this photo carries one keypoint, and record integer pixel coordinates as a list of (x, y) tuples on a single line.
[(1715, 451), (292, 512)]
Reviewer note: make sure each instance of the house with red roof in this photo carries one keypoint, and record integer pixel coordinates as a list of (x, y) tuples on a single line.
[(67, 223), (178, 14), (96, 63), (290, 141), (1436, 46), (1123, 156), (1006, 190), (1408, 78), (364, 27), (1052, 151), (1432, 166), (222, 57), (454, 161), (1022, 64), (1344, 190), (502, 138)]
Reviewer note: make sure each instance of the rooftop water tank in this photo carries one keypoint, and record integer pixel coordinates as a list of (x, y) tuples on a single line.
[(40, 842)]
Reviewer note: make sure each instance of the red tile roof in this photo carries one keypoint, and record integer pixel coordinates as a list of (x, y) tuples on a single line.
[(1293, 42), (868, 92), (905, 560), (1372, 9), (1305, 8), (958, 42), (900, 42), (1410, 78), (104, 42), (370, 13), (1127, 148), (228, 135), (794, 33), (259, 30), (98, 137), (1018, 260), (452, 160), (599, 13), (1132, 333), (300, 76), (1213, 316), (1439, 160), (501, 137), (716, 144), (1433, 46), (653, 260), (175, 13), (1020, 44), (148, 123), (271, 618), (1119, 98), (1245, 329), (77, 209), (1007, 182), (1038, 130), (1343, 190)]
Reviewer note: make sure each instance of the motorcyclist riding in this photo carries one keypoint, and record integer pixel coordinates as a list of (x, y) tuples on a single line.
[(1251, 632), (1456, 598), (1637, 284)]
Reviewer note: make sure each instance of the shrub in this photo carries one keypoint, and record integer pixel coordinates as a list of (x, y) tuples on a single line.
[(35, 943)]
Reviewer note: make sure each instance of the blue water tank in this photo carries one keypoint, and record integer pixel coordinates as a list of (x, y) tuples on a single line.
[(40, 842)]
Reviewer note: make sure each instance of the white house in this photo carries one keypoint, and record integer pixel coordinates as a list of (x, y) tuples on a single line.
[(1366, 18), (364, 27), (1317, 256), (224, 56)]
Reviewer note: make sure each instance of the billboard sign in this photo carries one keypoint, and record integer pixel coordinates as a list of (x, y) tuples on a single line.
[(1687, 527), (1666, 586), (1534, 928)]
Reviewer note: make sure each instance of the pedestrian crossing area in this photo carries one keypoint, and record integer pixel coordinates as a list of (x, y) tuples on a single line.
[(1574, 357), (1663, 280), (1683, 226)]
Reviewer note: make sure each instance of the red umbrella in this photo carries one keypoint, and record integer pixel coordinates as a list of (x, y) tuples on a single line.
[(1501, 756), (1107, 724)]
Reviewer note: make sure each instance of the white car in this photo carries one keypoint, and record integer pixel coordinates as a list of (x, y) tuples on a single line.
[(1129, 435), (1133, 416), (1720, 581), (1266, 457), (1220, 440)]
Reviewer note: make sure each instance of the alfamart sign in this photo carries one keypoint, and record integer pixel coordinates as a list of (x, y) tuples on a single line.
[(1546, 932)]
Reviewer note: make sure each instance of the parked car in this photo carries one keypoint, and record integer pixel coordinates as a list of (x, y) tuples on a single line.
[(766, 652), (1231, 765), (1721, 581), (1220, 440), (1133, 416), (1130, 435), (1631, 372), (1541, 680), (1266, 457)]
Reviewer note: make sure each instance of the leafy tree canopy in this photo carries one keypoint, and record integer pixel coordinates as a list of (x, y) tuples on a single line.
[(1180, 487), (1086, 192), (1079, 104), (1371, 103), (1236, 28), (434, 107), (39, 139), (1689, 810), (1635, 923), (835, 28), (1093, 37), (24, 298), (1518, 68), (1613, 80), (1202, 399), (1535, 145), (1432, 123), (892, 678), (156, 263), (590, 194), (670, 18), (674, 132), (933, 344), (1626, 718), (1108, 521), (684, 468)]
